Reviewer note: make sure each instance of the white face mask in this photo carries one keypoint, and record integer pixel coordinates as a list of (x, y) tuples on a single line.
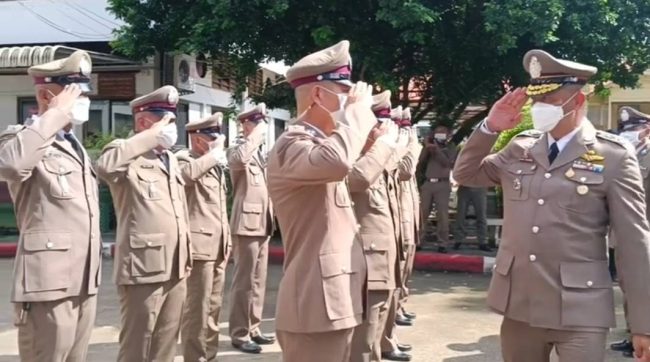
[(339, 113), (80, 110), (440, 137), (547, 116), (632, 136), (625, 116)]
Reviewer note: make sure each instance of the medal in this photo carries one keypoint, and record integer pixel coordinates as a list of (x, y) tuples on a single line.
[(582, 189), (516, 185), (570, 173)]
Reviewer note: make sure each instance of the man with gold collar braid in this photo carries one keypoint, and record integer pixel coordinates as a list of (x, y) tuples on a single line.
[(152, 253), (54, 191), (202, 168), (564, 185)]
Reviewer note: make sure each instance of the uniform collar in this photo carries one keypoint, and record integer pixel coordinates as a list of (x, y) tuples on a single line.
[(562, 142)]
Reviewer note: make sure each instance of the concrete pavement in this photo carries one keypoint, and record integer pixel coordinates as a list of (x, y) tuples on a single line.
[(453, 324)]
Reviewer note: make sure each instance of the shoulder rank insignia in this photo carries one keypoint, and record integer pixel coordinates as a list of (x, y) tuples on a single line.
[(530, 133), (611, 137)]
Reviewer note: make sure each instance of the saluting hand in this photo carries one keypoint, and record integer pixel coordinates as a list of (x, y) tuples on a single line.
[(641, 347), (66, 99), (506, 112), (218, 144), (389, 133), (360, 93)]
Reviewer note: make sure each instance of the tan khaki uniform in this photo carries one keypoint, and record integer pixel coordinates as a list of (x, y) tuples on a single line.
[(321, 293), (551, 270), (57, 266), (369, 191), (205, 188), (152, 255), (436, 189), (251, 223)]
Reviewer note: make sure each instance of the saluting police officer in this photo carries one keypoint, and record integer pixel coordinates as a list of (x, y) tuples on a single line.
[(564, 185), (369, 193), (634, 127), (437, 160), (320, 298), (401, 177), (410, 203), (252, 225), (152, 256), (202, 168), (54, 191)]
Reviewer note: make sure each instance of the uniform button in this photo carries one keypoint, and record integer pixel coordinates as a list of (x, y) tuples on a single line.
[(352, 203), (202, 230), (547, 175), (532, 257), (533, 167), (583, 179), (344, 270), (540, 201), (519, 172), (372, 246), (49, 245), (590, 283), (61, 169), (535, 229), (149, 243), (92, 235)]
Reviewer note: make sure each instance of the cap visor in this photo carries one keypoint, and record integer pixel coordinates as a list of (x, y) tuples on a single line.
[(344, 82), (85, 87)]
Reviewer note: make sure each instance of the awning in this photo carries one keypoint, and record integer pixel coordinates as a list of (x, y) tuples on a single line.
[(14, 60)]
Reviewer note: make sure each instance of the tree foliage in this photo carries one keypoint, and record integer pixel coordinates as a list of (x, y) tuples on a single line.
[(455, 52)]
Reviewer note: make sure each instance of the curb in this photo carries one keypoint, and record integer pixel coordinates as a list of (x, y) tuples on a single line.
[(424, 260)]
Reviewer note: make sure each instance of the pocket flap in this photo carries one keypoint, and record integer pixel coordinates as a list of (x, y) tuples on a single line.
[(375, 242), (593, 274), (140, 241), (150, 174), (524, 168), (503, 262), (46, 241), (252, 208), (56, 167), (202, 230), (586, 177), (336, 264)]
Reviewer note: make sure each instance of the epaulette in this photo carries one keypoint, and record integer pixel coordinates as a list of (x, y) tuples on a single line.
[(530, 133), (11, 131), (612, 138), (113, 144), (183, 154)]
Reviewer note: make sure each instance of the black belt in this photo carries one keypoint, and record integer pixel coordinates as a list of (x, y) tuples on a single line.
[(434, 180)]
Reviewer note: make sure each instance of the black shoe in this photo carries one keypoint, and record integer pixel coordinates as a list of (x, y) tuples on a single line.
[(456, 246), (248, 347), (408, 315), (484, 247), (400, 320), (622, 346), (404, 347), (628, 354), (396, 356), (442, 249), (262, 339)]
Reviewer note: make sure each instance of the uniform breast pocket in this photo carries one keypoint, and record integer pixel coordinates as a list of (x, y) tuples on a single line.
[(147, 254), (211, 188), (516, 186), (151, 184), (255, 176), (60, 173), (47, 261), (581, 191), (375, 248), (377, 197)]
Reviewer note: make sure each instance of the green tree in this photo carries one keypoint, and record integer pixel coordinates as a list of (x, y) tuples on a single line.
[(456, 52)]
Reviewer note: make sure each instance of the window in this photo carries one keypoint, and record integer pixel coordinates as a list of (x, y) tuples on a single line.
[(121, 119), (27, 107)]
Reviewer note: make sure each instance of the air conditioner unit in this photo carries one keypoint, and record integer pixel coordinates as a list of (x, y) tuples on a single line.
[(184, 73)]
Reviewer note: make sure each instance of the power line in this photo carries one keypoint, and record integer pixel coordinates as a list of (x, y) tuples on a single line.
[(79, 7), (57, 27)]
